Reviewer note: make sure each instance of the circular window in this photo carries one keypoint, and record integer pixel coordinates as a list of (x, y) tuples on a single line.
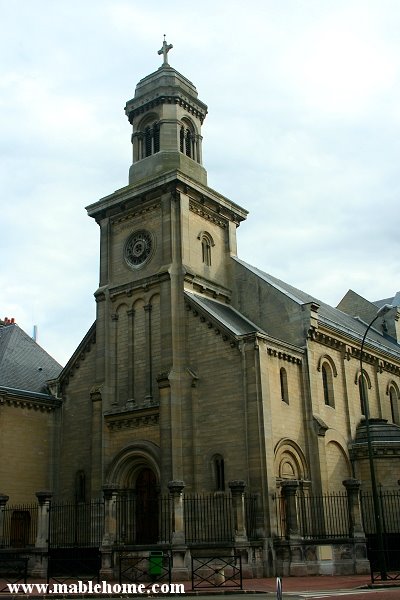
[(138, 248)]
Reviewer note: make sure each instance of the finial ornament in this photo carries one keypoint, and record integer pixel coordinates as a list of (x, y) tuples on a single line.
[(164, 51)]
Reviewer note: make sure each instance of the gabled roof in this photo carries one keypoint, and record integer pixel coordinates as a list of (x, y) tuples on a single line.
[(227, 316), (24, 365), (328, 315)]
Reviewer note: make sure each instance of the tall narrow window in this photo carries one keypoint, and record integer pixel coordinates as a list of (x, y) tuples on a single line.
[(156, 137), (188, 143), (327, 383), (219, 473), (147, 141), (80, 486), (206, 251), (182, 139), (284, 385), (394, 405)]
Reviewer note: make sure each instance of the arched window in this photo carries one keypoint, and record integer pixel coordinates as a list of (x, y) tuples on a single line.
[(327, 382), (394, 405), (80, 486), (148, 139), (219, 473), (188, 140), (363, 387), (206, 244), (284, 385)]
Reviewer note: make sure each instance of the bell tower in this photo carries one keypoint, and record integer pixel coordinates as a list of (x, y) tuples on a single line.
[(166, 117), (163, 236)]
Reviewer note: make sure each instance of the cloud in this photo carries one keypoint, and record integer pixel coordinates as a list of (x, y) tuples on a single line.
[(302, 130)]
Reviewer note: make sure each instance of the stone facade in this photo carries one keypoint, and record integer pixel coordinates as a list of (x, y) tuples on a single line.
[(201, 369)]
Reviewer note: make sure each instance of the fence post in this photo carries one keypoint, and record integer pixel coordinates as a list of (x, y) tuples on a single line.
[(353, 502), (239, 515), (42, 534), (3, 501), (289, 492), (179, 568), (110, 529)]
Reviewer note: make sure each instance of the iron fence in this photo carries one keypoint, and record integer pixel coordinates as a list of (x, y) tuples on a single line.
[(208, 518), (139, 524), (323, 516), (76, 524), (19, 526), (390, 511)]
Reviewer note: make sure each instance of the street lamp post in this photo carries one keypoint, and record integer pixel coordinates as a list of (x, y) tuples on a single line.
[(364, 402)]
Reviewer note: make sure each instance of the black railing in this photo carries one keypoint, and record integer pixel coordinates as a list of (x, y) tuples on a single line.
[(322, 516), (76, 524), (19, 526), (217, 572), (140, 524), (208, 518)]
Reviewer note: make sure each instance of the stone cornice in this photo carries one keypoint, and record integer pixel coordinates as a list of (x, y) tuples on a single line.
[(127, 289), (212, 324), (207, 214), (384, 450), (352, 351), (79, 355), (29, 400), (134, 419), (283, 355), (178, 98), (136, 212)]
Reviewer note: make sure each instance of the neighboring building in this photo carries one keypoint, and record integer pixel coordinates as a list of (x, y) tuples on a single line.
[(27, 415), (203, 370)]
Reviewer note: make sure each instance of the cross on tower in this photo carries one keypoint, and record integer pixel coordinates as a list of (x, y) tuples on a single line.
[(164, 51)]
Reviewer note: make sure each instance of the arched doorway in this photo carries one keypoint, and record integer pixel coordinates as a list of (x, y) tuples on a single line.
[(135, 473), (146, 509)]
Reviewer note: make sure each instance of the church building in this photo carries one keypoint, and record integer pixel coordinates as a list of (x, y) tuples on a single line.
[(203, 375)]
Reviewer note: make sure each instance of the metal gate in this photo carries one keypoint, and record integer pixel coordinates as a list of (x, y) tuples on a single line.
[(390, 512), (75, 534)]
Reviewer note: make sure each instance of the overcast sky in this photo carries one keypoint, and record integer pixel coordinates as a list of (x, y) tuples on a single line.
[(303, 131)]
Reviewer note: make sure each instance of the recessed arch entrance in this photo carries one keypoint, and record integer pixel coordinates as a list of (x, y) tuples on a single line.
[(135, 473)]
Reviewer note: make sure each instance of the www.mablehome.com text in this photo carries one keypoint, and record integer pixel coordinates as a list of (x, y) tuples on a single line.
[(88, 587)]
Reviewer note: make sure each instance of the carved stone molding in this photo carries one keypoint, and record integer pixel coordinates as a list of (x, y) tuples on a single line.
[(132, 421), (206, 214), (284, 355)]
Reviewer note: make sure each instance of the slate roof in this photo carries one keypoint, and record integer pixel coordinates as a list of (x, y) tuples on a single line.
[(330, 316), (24, 365), (226, 315), (381, 432)]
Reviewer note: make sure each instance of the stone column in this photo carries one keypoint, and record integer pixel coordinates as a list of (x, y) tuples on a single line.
[(180, 571), (239, 511), (3, 501), (289, 492), (43, 522), (110, 494), (114, 361), (42, 535), (358, 560), (131, 368), (178, 524), (149, 355), (353, 502)]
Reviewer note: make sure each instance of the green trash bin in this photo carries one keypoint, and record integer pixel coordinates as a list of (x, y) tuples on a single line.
[(156, 562)]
